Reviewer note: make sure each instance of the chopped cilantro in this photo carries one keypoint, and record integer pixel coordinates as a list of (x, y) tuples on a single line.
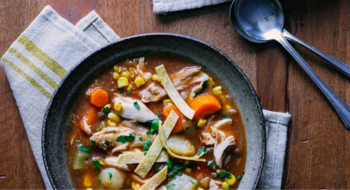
[(120, 90), (225, 174), (84, 148), (187, 128), (169, 163), (140, 138), (179, 174), (176, 168), (193, 182), (124, 138), (107, 143), (206, 151), (128, 92), (239, 177), (192, 143), (224, 115), (98, 181), (110, 175), (187, 119), (201, 151), (93, 142), (210, 163), (96, 164), (77, 141), (155, 126), (114, 131), (204, 87), (213, 86), (136, 105), (169, 185), (156, 169), (146, 146), (173, 178), (104, 155), (310, 100), (164, 149), (149, 133), (158, 115), (105, 110)]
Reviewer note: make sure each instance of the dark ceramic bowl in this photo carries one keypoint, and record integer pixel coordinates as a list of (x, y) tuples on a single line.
[(160, 45)]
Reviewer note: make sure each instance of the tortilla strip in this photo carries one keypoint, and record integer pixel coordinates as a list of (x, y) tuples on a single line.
[(156, 180), (135, 158), (154, 151), (162, 131), (173, 93)]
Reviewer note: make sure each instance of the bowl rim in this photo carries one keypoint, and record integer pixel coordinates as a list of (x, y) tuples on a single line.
[(145, 35)]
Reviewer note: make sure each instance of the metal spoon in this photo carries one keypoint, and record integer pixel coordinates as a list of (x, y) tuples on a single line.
[(261, 21)]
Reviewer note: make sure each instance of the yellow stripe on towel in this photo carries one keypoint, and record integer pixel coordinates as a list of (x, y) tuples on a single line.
[(41, 55), (37, 70), (27, 77)]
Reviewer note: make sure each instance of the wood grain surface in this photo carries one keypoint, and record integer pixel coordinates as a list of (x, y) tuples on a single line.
[(317, 155)]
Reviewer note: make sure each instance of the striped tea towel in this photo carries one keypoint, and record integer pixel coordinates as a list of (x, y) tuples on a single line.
[(40, 57), (164, 6)]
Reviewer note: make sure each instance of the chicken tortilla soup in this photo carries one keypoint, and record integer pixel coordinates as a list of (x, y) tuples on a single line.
[(156, 123)]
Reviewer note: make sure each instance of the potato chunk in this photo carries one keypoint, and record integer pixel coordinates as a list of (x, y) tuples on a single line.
[(181, 145), (112, 178)]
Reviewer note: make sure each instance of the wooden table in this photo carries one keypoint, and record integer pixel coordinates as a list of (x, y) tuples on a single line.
[(318, 153)]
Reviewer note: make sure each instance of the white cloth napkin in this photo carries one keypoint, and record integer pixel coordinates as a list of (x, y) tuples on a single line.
[(37, 61), (164, 6)]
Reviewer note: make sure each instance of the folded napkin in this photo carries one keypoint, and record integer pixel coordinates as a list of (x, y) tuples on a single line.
[(41, 56), (164, 6)]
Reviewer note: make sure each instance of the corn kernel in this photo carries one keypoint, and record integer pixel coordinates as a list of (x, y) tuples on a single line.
[(108, 106), (116, 68), (222, 98), (228, 107), (218, 171), (231, 181), (132, 72), (155, 77), (135, 186), (211, 81), (111, 123), (113, 117), (188, 170), (116, 76), (199, 188), (201, 123), (118, 107), (217, 90), (167, 101), (225, 186), (88, 188), (125, 74), (129, 87), (87, 180), (123, 82), (139, 81)]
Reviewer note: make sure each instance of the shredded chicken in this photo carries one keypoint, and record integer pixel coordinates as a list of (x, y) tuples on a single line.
[(86, 127), (207, 138), (111, 134), (214, 185), (221, 144), (140, 69), (111, 162), (189, 75), (130, 111)]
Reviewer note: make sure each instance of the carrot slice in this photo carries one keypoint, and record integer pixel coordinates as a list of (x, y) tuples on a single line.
[(99, 98), (178, 126), (204, 105)]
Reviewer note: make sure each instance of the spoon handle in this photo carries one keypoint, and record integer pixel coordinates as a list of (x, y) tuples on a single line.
[(342, 67), (339, 105)]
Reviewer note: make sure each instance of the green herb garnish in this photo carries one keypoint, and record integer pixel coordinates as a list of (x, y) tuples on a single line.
[(146, 146), (187, 128), (93, 142), (204, 87), (224, 115), (110, 175), (124, 138), (179, 174), (164, 149), (120, 90), (201, 151), (84, 148), (310, 100), (169, 163), (158, 115), (96, 164), (107, 143), (239, 177), (169, 185), (193, 182), (140, 138), (192, 143), (104, 155), (128, 92), (176, 168), (77, 141), (105, 110), (136, 105), (155, 126), (225, 174), (98, 181)]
